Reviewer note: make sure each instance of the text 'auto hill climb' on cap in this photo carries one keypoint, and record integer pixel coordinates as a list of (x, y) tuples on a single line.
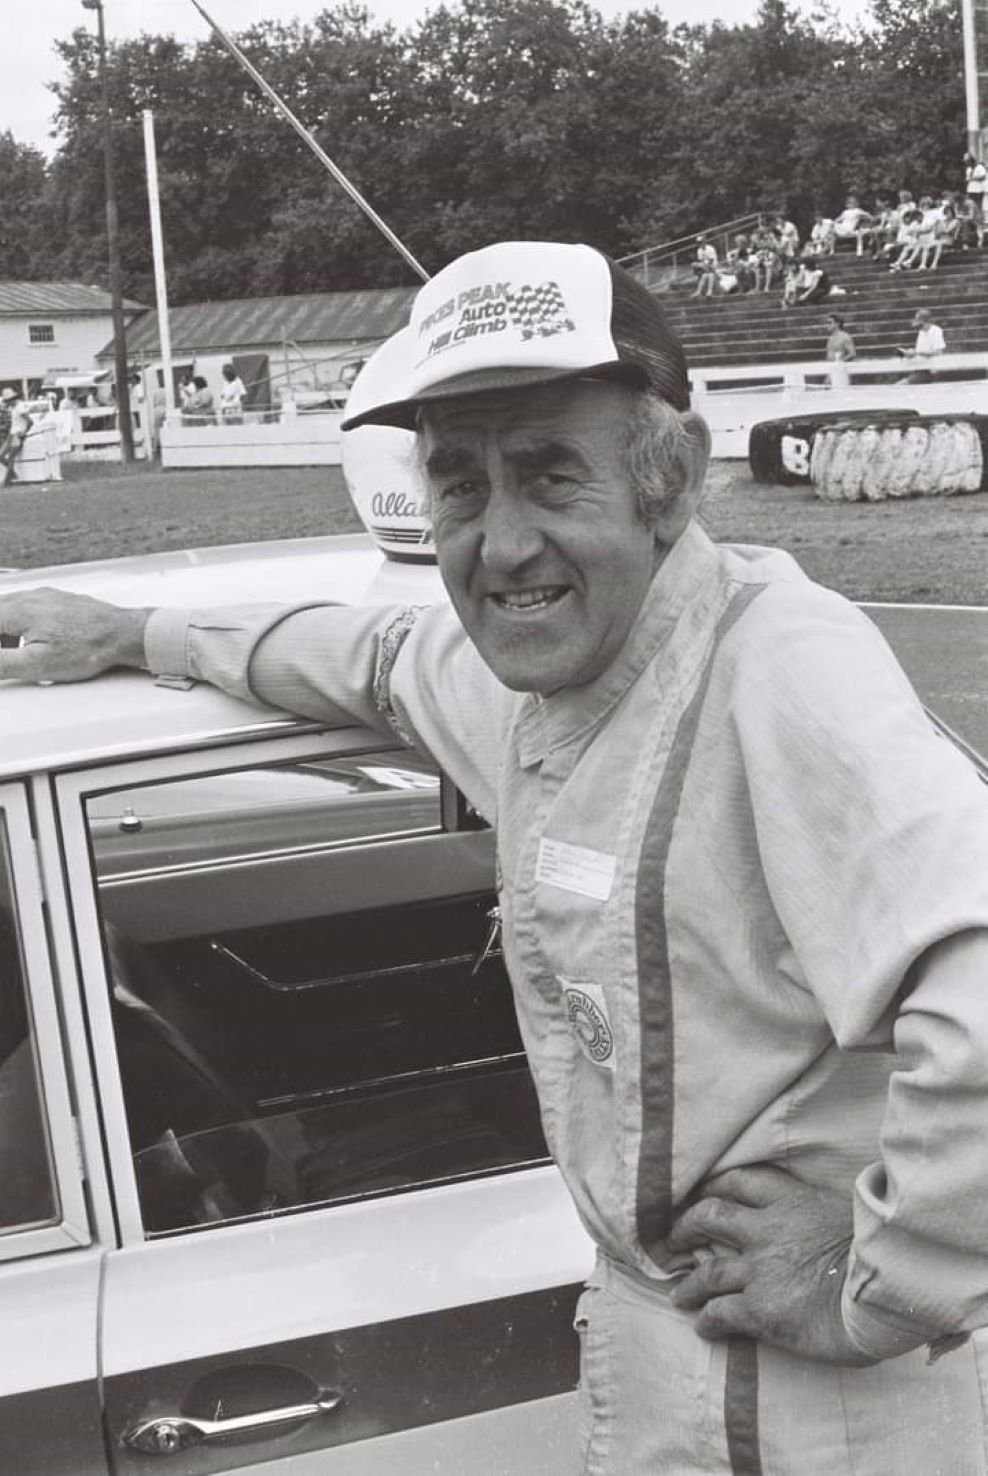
[(529, 312)]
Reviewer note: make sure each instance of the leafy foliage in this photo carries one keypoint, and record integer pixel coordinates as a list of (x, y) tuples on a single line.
[(490, 118)]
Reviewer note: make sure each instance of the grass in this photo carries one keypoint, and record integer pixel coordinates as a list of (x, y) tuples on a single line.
[(931, 550)]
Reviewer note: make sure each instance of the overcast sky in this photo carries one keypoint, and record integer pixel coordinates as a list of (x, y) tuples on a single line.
[(29, 28)]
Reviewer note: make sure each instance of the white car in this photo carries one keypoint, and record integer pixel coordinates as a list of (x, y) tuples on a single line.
[(274, 1194)]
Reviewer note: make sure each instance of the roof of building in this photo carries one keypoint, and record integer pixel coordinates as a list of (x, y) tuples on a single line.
[(251, 322), (19, 298)]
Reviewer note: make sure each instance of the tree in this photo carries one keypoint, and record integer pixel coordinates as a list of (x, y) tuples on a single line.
[(22, 185)]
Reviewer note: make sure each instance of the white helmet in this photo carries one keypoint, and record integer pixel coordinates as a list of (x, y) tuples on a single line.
[(380, 464)]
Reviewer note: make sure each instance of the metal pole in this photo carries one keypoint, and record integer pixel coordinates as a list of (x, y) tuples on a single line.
[(124, 422), (158, 252), (971, 77), (307, 137)]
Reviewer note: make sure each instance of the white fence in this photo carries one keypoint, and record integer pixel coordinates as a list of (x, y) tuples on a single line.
[(733, 400), (306, 438)]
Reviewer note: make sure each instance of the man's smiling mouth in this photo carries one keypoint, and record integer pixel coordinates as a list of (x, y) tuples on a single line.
[(529, 600)]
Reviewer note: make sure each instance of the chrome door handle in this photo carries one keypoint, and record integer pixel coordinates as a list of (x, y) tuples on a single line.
[(169, 1433)]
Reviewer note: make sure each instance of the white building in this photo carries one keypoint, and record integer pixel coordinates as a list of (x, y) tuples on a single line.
[(49, 329)]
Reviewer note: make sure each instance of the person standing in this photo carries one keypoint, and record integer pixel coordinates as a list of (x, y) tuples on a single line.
[(840, 344), (744, 884), (976, 183), (18, 422), (232, 396)]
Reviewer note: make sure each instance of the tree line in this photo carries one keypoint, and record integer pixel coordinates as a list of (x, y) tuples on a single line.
[(488, 119)]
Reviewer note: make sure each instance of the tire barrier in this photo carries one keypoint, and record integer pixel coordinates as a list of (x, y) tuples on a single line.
[(779, 450), (901, 456)]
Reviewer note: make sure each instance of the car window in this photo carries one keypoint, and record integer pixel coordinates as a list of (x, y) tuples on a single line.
[(27, 1194), (308, 1000)]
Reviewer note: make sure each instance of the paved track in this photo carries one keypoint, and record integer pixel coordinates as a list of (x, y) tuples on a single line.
[(944, 650)]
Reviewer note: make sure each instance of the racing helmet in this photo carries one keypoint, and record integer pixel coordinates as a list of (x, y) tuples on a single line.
[(380, 464)]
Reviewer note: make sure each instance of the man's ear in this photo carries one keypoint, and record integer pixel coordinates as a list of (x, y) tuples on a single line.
[(692, 458)]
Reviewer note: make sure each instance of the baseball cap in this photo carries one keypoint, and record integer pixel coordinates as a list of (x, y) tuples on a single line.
[(526, 313), (7, 393)]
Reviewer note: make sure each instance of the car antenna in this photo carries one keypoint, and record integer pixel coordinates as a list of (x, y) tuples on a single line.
[(307, 137)]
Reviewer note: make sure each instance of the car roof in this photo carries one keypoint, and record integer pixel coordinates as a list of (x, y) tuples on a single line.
[(126, 713)]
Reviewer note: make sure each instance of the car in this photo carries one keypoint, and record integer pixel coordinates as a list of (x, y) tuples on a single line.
[(274, 1193)]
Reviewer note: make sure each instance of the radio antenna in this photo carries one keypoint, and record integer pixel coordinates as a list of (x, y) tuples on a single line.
[(307, 137)]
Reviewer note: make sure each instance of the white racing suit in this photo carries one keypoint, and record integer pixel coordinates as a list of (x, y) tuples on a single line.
[(745, 898)]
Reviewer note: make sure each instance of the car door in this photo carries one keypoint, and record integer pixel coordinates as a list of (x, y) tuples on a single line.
[(342, 1245), (49, 1261)]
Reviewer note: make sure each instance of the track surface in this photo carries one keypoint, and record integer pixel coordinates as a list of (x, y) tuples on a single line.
[(944, 651)]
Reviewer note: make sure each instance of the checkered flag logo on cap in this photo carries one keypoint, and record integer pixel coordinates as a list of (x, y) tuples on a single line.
[(540, 312)]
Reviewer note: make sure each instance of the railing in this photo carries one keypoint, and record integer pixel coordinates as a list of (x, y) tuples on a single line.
[(658, 266)]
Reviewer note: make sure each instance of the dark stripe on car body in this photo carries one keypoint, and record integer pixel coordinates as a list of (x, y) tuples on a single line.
[(52, 1432), (741, 1407), (393, 1376)]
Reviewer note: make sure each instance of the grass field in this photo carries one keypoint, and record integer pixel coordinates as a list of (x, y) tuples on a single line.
[(929, 550)]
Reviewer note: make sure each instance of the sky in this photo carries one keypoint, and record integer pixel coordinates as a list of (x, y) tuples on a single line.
[(27, 61)]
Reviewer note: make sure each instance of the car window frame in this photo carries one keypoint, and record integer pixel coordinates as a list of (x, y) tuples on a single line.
[(72, 1229), (71, 789)]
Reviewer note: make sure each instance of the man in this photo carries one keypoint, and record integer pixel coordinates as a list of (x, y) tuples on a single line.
[(853, 223), (930, 344), (840, 344), (14, 426), (736, 868), (232, 396)]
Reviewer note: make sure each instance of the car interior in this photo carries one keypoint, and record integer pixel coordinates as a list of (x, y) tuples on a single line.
[(302, 1026)]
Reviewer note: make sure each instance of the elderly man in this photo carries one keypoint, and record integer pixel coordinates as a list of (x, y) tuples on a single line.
[(744, 886), (929, 346)]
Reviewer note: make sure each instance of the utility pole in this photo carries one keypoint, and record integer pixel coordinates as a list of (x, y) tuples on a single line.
[(124, 421)]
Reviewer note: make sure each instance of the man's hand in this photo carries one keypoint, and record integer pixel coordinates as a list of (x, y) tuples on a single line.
[(774, 1256), (47, 635)]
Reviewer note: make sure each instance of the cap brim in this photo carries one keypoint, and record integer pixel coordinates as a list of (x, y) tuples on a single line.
[(403, 413)]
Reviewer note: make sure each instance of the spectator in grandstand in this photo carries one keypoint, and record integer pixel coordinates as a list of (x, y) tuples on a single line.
[(765, 254), (705, 267), (788, 237), (737, 274), (790, 283), (840, 344), (945, 231), (853, 224), (822, 238), (907, 240), (881, 234), (971, 230), (975, 182), (812, 283)]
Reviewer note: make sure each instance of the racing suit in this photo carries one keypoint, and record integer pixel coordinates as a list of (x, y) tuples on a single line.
[(745, 897)]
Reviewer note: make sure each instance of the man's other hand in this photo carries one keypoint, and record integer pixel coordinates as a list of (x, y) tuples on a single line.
[(47, 635), (773, 1256)]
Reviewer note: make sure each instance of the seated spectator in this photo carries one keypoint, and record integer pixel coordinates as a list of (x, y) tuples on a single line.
[(788, 238), (945, 229), (840, 344), (764, 254), (852, 224), (971, 226), (881, 234), (812, 283), (822, 238), (907, 241), (736, 273), (790, 281), (705, 267)]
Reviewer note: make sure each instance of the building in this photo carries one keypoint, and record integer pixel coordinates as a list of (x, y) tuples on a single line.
[(303, 348), (52, 329)]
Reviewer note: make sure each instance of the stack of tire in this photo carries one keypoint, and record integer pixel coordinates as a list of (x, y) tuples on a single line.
[(900, 456), (779, 451)]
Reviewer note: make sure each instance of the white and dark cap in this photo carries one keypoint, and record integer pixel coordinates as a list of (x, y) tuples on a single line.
[(525, 313)]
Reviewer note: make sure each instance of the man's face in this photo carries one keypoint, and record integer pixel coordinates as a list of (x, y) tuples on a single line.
[(537, 529)]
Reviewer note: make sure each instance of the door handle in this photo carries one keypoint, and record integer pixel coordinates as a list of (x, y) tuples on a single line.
[(168, 1433)]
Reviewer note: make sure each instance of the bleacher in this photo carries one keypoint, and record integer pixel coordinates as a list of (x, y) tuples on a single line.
[(878, 310)]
